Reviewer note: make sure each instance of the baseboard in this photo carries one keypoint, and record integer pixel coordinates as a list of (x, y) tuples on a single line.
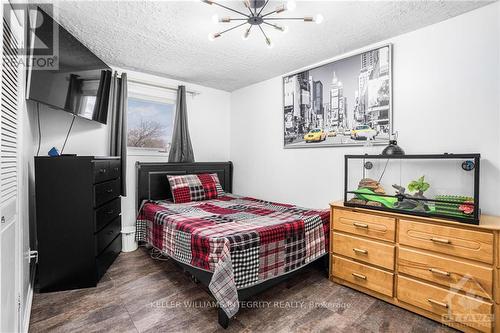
[(28, 301)]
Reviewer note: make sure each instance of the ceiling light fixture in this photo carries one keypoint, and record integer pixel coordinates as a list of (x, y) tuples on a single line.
[(256, 17)]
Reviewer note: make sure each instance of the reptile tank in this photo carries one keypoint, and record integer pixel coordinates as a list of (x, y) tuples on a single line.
[(444, 186)]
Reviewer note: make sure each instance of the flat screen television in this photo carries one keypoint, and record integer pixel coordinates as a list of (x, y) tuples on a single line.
[(80, 84)]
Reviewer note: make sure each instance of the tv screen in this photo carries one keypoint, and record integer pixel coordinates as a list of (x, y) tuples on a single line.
[(80, 84)]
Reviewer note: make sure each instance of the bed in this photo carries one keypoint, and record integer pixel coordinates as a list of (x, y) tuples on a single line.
[(236, 246)]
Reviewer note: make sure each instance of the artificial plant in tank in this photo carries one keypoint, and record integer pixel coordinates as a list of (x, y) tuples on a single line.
[(419, 186)]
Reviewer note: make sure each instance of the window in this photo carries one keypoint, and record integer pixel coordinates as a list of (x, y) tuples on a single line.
[(150, 125)]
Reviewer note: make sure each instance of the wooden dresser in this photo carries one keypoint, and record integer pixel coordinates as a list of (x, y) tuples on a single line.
[(444, 270), (78, 220)]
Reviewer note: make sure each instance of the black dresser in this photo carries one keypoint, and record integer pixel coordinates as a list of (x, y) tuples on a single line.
[(78, 220)]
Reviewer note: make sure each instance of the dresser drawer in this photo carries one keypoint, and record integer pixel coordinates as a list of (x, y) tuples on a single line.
[(107, 234), (450, 273), (372, 252), (105, 192), (373, 226), (362, 275), (106, 213), (106, 170), (458, 242), (106, 258), (463, 309)]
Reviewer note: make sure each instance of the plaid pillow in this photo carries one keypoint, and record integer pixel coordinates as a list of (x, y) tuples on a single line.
[(187, 188)]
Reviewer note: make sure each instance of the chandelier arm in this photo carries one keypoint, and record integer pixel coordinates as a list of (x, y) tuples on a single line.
[(231, 9), (260, 11), (263, 32), (283, 18), (270, 13), (232, 28), (247, 5), (272, 25)]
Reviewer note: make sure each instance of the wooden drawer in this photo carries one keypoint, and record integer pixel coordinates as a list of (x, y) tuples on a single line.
[(459, 242), (365, 276), (106, 258), (373, 226), (466, 310), (450, 273), (105, 192), (107, 234), (106, 213), (106, 170), (372, 252)]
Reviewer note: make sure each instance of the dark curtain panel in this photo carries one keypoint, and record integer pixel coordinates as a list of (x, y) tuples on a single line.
[(118, 108), (181, 149)]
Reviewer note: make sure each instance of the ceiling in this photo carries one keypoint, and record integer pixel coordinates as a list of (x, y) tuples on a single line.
[(169, 38)]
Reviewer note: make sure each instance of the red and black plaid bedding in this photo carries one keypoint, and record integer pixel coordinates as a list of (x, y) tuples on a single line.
[(243, 241)]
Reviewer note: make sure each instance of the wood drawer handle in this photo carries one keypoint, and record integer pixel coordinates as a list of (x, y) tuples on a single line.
[(432, 301), (440, 240), (102, 170), (438, 271), (360, 251), (359, 276), (360, 225), (110, 190)]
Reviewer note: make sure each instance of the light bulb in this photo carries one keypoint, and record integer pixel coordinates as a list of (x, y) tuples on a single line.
[(291, 5), (269, 43), (246, 34), (215, 18), (212, 37), (319, 19)]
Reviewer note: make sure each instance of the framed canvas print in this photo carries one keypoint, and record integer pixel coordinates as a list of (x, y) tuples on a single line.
[(346, 102)]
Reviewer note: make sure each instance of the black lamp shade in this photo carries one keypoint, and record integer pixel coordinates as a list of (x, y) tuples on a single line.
[(393, 149)]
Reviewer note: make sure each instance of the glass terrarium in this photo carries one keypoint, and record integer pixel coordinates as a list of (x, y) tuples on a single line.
[(444, 186)]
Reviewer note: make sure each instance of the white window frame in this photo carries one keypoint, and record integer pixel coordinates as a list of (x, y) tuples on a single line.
[(153, 94)]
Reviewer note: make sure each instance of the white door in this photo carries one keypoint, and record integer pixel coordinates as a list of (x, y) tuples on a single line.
[(10, 111)]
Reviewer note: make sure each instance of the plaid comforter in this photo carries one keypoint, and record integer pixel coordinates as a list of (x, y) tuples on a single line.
[(243, 241)]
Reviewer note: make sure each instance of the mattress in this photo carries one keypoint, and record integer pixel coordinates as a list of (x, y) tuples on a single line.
[(243, 241)]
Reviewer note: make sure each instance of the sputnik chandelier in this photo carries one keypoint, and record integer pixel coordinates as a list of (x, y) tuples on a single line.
[(257, 18)]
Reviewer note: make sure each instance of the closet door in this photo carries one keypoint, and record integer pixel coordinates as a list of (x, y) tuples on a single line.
[(11, 90)]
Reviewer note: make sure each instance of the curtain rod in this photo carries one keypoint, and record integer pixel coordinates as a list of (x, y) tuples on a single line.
[(162, 86)]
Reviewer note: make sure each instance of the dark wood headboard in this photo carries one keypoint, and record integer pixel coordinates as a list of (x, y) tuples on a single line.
[(152, 183)]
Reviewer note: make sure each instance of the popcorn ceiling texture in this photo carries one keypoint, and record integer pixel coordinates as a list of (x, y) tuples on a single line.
[(169, 38)]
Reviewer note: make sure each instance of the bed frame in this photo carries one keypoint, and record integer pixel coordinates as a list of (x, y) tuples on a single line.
[(152, 184)]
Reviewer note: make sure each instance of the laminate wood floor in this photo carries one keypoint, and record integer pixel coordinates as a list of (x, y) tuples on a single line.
[(139, 294)]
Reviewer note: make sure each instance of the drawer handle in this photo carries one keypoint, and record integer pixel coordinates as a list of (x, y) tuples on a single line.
[(433, 301), (116, 169), (110, 232), (109, 190), (438, 271), (102, 170), (359, 276), (361, 251), (110, 212), (440, 240), (360, 225)]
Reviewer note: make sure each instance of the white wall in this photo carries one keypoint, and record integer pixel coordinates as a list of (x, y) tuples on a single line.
[(208, 115), (445, 90)]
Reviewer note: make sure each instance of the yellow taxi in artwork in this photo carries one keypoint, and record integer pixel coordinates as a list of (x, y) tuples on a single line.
[(315, 135)]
